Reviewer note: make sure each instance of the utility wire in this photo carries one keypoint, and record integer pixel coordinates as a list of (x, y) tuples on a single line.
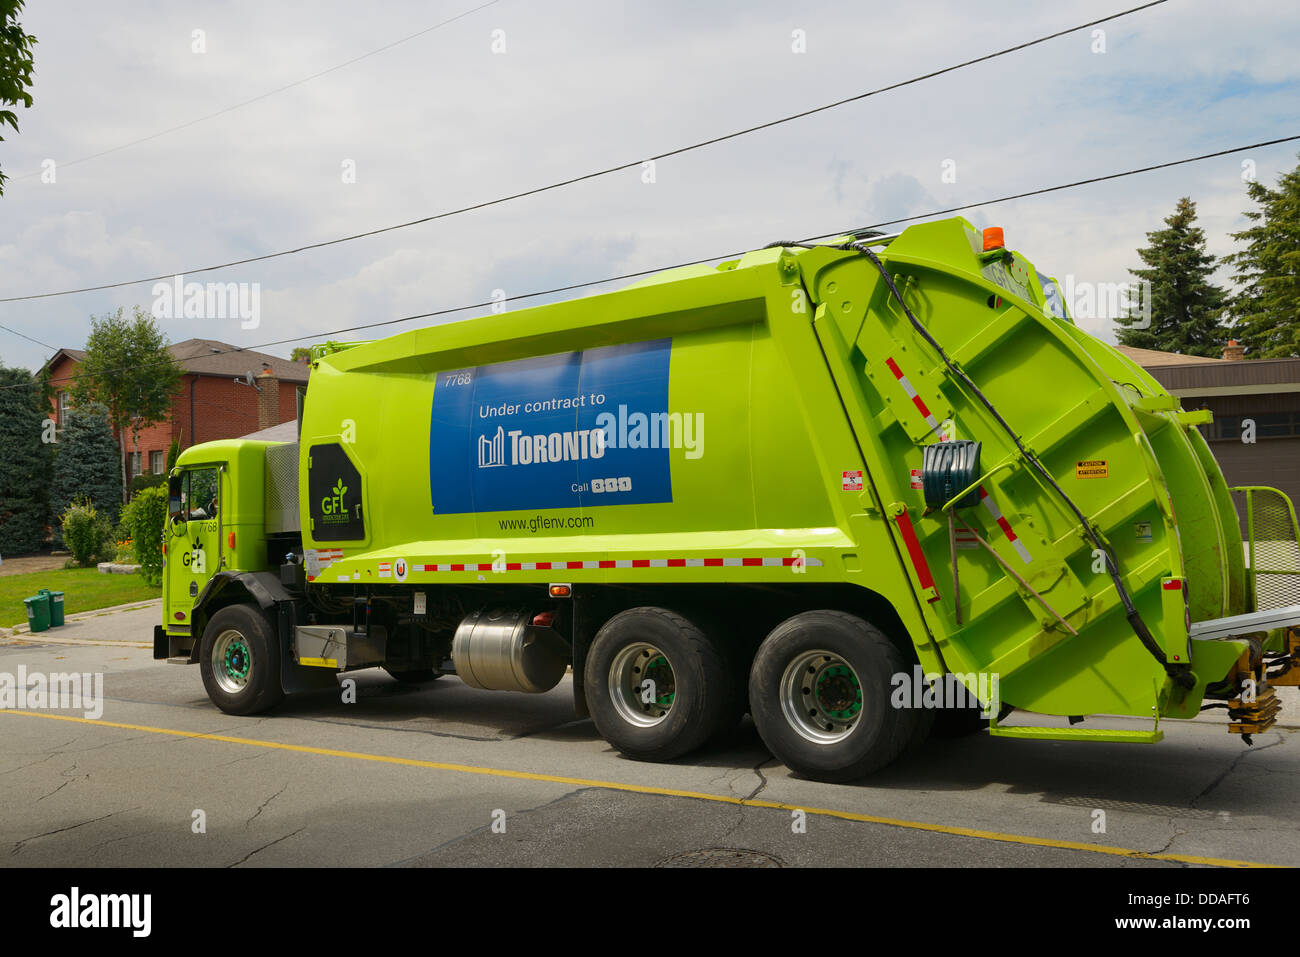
[(600, 172), (734, 255), (23, 335), (261, 96)]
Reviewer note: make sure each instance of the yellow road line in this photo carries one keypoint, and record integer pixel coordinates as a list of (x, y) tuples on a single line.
[(665, 792)]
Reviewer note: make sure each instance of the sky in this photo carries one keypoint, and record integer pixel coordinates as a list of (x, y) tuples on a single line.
[(511, 95)]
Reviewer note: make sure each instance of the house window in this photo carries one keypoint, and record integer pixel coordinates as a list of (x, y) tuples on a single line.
[(134, 467), (157, 462), (63, 410)]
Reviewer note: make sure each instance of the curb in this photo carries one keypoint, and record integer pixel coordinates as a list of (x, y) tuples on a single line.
[(19, 633)]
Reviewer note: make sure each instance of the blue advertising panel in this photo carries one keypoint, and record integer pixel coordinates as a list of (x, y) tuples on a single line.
[(561, 431)]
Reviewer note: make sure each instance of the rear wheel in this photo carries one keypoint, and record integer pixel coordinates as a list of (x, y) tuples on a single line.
[(656, 686), (819, 692), (240, 661)]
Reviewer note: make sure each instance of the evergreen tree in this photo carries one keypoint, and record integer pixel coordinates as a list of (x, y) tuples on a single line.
[(1186, 307), (25, 464), (1266, 308), (86, 465)]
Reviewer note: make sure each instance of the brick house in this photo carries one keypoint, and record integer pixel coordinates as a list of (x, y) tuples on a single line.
[(1255, 436), (215, 399)]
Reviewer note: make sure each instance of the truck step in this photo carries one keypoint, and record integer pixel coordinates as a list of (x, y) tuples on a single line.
[(1112, 736), (180, 660)]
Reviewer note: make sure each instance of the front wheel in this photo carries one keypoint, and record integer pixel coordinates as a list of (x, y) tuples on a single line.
[(820, 695), (239, 659)]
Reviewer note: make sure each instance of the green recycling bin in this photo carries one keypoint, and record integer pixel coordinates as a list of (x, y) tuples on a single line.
[(38, 612), (56, 606)]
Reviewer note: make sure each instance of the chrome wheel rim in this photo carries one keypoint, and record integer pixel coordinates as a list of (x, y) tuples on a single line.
[(642, 685), (821, 696), (232, 661)]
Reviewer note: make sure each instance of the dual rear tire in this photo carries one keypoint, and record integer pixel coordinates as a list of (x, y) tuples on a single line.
[(657, 687), (818, 690), (820, 695)]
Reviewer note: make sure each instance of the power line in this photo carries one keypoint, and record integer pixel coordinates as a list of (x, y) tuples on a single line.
[(596, 173), (732, 255), (261, 96), (1085, 182), (23, 335)]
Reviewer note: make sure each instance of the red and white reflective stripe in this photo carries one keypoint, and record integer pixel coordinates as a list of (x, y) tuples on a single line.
[(328, 555), (1003, 524), (917, 401), (923, 575), (771, 562)]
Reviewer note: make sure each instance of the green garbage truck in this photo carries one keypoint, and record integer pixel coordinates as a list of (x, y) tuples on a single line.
[(861, 490)]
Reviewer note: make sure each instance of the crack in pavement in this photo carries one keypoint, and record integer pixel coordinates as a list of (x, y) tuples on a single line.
[(265, 846), (262, 807), (762, 779), (1175, 833), (550, 727), (742, 805), (1232, 767), (31, 763), (94, 848), (247, 757), (19, 845), (57, 790), (487, 827)]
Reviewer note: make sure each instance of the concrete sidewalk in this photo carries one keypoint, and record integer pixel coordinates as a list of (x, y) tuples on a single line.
[(129, 625)]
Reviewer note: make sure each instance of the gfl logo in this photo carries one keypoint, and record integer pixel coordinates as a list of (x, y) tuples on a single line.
[(333, 505)]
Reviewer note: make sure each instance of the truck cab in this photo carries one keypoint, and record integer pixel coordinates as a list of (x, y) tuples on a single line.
[(215, 523)]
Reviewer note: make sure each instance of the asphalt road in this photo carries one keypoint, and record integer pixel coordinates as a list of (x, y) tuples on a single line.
[(445, 775)]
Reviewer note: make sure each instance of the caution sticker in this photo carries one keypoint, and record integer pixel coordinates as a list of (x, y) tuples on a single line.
[(1091, 468), (852, 481), (916, 479)]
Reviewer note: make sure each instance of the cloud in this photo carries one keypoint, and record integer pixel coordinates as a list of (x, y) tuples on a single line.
[(442, 122)]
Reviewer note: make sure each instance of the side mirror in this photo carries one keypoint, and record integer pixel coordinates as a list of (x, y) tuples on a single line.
[(174, 501)]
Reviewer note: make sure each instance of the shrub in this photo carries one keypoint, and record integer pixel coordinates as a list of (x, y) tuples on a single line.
[(146, 480), (146, 517), (84, 531), (106, 550)]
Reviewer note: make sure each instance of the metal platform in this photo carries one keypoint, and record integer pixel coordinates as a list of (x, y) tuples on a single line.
[(1248, 624)]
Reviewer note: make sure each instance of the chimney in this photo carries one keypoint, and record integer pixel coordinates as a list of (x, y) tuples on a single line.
[(1233, 352), (268, 399)]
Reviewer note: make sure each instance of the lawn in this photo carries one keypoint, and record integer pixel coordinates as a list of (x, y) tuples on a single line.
[(84, 589)]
